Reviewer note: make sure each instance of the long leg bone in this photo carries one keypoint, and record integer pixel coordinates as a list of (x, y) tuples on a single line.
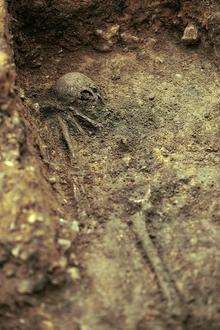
[(73, 122), (67, 137)]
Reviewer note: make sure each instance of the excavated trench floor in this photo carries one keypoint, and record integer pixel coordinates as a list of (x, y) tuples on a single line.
[(143, 189)]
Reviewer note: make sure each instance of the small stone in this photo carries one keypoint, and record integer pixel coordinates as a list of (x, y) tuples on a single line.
[(74, 226), (25, 287), (34, 217), (9, 163), (126, 160), (19, 238), (73, 259), (112, 31), (21, 93), (30, 169), (151, 97), (129, 39), (64, 243), (141, 103), (63, 221), (178, 76), (62, 262), (74, 273), (47, 325), (190, 35), (52, 179), (26, 254), (12, 226), (39, 233), (16, 120), (159, 60), (107, 38), (16, 251), (116, 77), (9, 270), (36, 106), (29, 286)]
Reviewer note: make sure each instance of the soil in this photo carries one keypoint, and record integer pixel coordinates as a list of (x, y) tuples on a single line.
[(120, 230)]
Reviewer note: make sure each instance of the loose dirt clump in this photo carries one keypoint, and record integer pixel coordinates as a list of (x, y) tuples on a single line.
[(101, 25)]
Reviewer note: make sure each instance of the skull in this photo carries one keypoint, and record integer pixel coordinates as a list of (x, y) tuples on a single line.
[(75, 87)]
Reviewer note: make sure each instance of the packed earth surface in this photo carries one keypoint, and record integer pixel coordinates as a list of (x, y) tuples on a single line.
[(111, 222)]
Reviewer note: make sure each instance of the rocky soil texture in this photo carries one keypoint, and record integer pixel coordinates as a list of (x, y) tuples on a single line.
[(109, 210)]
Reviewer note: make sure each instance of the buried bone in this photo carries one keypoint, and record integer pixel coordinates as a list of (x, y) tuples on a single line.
[(72, 97), (75, 87)]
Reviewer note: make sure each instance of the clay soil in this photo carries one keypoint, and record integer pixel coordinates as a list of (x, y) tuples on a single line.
[(124, 234)]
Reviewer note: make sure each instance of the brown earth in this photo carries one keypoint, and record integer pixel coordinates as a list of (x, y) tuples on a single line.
[(120, 230)]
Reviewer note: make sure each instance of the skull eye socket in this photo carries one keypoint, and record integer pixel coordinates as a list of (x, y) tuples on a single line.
[(86, 95)]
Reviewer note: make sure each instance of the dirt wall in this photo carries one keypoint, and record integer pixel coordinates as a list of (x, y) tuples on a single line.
[(75, 23), (36, 246), (29, 213)]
